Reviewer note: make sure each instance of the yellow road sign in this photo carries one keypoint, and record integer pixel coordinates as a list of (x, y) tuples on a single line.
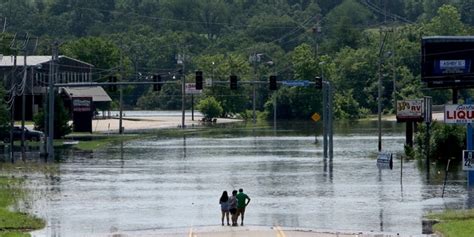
[(316, 117)]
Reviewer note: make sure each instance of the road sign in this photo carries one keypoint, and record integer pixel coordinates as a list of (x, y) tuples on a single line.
[(296, 83), (467, 160), (209, 82), (385, 160), (191, 89), (316, 117)]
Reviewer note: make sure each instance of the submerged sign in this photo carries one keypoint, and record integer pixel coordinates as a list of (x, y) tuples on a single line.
[(459, 114)]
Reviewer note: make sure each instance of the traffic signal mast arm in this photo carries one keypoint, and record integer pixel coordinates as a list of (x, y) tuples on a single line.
[(124, 83)]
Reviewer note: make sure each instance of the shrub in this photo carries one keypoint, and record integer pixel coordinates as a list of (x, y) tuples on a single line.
[(61, 119), (210, 108), (446, 141)]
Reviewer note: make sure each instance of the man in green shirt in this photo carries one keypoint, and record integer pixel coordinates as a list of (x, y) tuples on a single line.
[(241, 204)]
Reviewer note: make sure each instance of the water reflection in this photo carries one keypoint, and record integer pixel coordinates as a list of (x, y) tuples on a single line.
[(176, 182)]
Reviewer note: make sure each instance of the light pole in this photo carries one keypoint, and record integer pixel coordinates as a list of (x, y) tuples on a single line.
[(180, 61)]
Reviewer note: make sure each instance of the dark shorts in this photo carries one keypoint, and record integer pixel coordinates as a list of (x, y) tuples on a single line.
[(233, 210), (240, 210)]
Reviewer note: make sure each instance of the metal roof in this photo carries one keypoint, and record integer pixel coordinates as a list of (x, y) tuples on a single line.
[(97, 93), (34, 60)]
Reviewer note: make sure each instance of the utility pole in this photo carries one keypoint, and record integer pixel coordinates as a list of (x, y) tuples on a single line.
[(52, 80), (23, 101), (183, 89), (121, 94), (254, 92), (13, 96), (379, 97), (330, 117), (325, 119)]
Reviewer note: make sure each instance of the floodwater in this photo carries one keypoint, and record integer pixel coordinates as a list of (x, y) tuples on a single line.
[(175, 182)]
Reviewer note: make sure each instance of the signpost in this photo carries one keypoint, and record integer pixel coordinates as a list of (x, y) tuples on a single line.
[(190, 88), (463, 114), (82, 108), (410, 111)]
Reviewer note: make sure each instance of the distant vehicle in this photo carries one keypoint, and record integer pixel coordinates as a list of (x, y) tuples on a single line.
[(31, 135)]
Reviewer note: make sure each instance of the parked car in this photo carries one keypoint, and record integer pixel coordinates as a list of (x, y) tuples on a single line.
[(31, 135)]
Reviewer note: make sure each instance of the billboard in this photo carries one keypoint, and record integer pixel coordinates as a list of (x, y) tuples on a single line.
[(410, 110), (459, 114), (446, 61)]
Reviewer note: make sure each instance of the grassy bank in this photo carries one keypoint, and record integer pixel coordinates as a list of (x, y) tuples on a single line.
[(12, 223), (454, 223)]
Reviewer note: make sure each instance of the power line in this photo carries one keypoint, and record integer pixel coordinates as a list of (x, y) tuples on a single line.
[(175, 20)]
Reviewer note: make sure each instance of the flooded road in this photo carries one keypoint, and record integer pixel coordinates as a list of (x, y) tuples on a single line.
[(159, 183)]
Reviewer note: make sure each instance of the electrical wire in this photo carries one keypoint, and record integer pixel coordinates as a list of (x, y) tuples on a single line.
[(174, 20)]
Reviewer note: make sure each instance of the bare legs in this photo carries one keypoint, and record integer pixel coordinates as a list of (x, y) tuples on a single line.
[(226, 214)]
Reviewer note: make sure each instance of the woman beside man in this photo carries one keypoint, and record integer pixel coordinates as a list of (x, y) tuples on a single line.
[(235, 205)]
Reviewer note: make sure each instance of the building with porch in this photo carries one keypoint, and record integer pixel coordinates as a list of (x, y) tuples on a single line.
[(34, 83)]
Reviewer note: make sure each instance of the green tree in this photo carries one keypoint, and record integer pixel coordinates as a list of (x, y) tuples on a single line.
[(344, 25), (61, 119), (210, 108), (219, 67), (98, 51), (355, 71), (446, 22)]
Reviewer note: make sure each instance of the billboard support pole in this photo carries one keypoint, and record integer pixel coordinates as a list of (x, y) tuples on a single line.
[(470, 173), (409, 134), (455, 96)]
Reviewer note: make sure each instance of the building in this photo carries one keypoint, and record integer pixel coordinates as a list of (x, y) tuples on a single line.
[(34, 83)]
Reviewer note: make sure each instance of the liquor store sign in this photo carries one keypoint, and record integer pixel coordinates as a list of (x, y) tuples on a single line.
[(459, 114)]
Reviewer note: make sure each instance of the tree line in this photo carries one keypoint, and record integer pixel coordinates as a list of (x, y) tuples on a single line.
[(339, 40)]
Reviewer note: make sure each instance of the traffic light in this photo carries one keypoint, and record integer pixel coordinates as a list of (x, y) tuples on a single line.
[(113, 87), (318, 83), (233, 82), (198, 80), (273, 83), (157, 79)]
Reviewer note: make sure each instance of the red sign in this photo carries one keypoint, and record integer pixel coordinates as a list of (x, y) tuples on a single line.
[(459, 114)]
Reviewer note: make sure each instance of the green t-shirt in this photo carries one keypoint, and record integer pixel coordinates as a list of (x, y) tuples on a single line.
[(241, 197)]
